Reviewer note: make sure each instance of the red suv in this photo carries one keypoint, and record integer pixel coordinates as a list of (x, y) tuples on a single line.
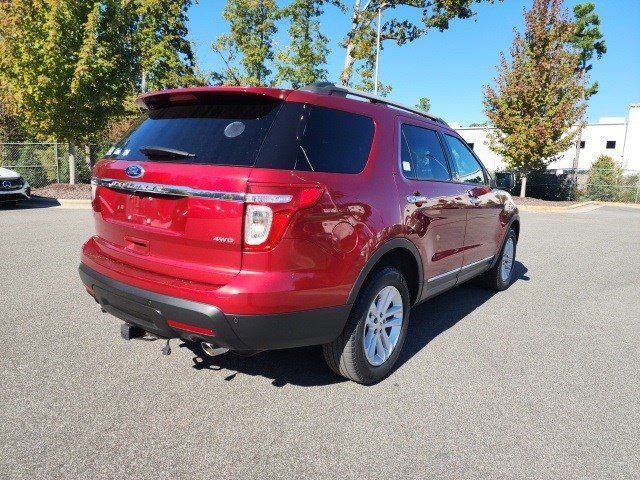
[(252, 219)]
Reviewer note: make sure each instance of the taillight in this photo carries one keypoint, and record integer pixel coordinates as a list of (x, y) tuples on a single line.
[(257, 224), (270, 209), (94, 192)]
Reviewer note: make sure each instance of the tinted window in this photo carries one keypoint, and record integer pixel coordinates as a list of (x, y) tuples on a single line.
[(421, 154), (227, 130), (312, 138), (468, 168)]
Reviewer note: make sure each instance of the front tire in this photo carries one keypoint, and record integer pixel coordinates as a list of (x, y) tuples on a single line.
[(369, 345)]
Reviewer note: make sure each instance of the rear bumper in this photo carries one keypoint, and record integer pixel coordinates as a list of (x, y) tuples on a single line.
[(159, 314)]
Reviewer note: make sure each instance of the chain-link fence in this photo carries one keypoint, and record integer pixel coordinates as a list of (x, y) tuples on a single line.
[(608, 185), (44, 163)]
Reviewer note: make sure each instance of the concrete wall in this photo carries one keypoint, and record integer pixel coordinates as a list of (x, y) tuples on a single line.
[(631, 158), (625, 132)]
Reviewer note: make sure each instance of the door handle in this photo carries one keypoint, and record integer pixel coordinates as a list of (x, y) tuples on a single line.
[(478, 191), (416, 199)]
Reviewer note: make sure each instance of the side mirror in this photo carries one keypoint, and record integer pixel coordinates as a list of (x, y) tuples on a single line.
[(505, 180)]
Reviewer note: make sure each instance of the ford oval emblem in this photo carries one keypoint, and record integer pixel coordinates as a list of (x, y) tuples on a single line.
[(134, 171)]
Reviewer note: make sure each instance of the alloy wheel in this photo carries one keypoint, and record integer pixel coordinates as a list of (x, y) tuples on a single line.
[(506, 262), (383, 325)]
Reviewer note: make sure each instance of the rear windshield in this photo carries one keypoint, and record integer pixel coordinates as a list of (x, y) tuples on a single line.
[(227, 131), (247, 130)]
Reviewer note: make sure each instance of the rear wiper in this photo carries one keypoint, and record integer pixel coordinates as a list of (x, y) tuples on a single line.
[(150, 151)]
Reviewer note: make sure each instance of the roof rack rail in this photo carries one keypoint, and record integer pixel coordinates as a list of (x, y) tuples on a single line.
[(329, 88)]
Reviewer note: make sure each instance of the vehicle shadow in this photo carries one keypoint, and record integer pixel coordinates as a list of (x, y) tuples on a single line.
[(305, 366), (33, 202), (435, 316)]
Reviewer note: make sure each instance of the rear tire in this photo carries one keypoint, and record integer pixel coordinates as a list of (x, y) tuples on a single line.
[(500, 276), (379, 319)]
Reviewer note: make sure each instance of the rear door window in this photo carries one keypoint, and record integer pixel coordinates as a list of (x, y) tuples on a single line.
[(421, 154), (312, 138), (223, 130)]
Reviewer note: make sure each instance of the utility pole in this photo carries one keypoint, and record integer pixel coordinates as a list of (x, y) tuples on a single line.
[(380, 9)]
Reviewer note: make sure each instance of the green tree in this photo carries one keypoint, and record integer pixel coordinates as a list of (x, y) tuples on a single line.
[(163, 54), (588, 40), (538, 96), (603, 179), (65, 65), (360, 42), (424, 104), (303, 61), (10, 128), (247, 49)]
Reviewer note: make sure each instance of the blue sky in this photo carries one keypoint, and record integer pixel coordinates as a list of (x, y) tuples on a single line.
[(451, 67)]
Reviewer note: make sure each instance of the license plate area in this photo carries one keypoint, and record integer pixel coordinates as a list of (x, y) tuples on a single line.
[(166, 212)]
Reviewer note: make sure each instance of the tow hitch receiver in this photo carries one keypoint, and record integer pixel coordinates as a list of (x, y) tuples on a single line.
[(128, 331)]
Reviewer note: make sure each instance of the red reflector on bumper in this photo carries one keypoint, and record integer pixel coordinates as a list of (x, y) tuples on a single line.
[(191, 328)]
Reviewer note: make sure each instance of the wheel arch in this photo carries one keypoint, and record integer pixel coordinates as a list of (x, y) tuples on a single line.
[(514, 224), (401, 253)]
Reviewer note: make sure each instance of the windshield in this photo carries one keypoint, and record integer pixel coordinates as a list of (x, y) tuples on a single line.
[(225, 130)]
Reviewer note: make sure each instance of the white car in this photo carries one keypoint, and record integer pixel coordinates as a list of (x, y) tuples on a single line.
[(13, 187)]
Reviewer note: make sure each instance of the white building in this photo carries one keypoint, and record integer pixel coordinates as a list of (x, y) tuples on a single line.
[(617, 137)]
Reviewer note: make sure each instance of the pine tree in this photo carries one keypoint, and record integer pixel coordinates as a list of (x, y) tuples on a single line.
[(249, 43), (588, 40), (303, 61), (538, 96)]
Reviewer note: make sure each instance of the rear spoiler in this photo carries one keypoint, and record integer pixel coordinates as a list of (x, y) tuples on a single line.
[(150, 100)]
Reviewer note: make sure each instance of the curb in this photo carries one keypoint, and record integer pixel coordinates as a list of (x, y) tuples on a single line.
[(74, 204), (577, 208), (581, 207), (618, 205)]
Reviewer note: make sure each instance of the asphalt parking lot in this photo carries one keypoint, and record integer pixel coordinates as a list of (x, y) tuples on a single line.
[(540, 381)]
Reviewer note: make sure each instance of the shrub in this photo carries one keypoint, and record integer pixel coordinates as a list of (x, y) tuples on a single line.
[(602, 183)]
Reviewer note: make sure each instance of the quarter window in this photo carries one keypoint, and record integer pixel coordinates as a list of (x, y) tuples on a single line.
[(319, 139), (468, 168), (421, 154)]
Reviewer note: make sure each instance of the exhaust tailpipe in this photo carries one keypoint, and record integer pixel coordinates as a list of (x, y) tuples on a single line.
[(212, 350)]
